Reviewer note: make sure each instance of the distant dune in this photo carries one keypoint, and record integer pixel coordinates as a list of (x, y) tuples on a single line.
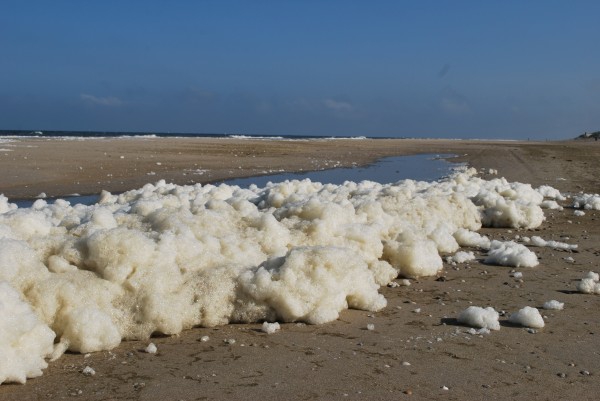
[(589, 135)]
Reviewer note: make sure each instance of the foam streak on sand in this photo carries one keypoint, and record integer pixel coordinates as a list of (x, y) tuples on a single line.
[(165, 258)]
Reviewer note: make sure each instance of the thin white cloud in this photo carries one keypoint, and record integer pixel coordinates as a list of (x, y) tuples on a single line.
[(453, 103), (194, 95), (455, 106), (338, 106), (102, 101)]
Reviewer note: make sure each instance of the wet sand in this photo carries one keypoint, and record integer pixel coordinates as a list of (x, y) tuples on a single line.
[(344, 360)]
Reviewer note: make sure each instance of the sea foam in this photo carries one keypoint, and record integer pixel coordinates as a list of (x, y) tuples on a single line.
[(164, 258)]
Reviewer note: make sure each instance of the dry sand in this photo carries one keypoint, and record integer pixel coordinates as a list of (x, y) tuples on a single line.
[(344, 360)]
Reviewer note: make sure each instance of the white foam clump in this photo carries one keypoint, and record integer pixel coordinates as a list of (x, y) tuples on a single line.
[(589, 284), (88, 371), (593, 275), (550, 204), (414, 258), (311, 284), (151, 349), (510, 254), (461, 257), (587, 201), (476, 316), (540, 242), (473, 239), (5, 205), (270, 328), (550, 192), (165, 258), (528, 317), (25, 341), (579, 213), (512, 205), (554, 305), (479, 332)]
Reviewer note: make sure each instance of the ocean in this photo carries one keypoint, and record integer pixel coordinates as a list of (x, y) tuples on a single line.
[(125, 134)]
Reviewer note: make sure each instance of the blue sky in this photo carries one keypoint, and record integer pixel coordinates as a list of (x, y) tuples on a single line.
[(464, 69)]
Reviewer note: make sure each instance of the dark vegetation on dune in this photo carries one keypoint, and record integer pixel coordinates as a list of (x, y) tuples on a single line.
[(589, 135)]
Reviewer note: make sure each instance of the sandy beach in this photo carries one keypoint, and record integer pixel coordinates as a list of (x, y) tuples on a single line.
[(62, 167), (417, 349)]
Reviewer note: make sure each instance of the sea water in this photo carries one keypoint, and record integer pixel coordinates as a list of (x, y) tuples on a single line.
[(424, 167)]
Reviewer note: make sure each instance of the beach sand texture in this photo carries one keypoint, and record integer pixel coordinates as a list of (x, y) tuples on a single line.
[(415, 348)]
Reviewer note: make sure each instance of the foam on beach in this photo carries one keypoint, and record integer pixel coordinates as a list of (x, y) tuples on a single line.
[(24, 340), (510, 254), (478, 317), (590, 284), (561, 246), (586, 201), (165, 258), (527, 317), (461, 257), (554, 305)]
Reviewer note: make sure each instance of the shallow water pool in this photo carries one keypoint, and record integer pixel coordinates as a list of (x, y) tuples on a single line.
[(424, 167)]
